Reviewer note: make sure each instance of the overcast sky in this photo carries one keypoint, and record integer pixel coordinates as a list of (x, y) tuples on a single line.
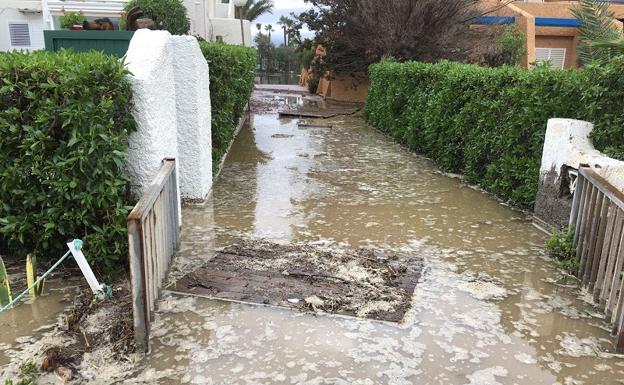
[(282, 8)]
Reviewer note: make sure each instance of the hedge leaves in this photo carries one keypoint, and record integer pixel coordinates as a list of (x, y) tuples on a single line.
[(64, 122), (489, 123), (232, 73)]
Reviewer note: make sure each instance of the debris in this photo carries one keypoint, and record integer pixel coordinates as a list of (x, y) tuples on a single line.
[(368, 283)]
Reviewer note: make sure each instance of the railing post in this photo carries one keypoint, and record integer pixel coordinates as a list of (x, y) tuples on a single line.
[(139, 304)]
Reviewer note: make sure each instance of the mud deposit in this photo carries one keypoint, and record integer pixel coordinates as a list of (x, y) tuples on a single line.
[(92, 342), (364, 283)]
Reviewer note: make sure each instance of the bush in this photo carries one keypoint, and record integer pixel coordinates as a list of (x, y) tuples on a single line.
[(489, 123), (64, 122), (560, 246), (169, 15), (232, 73), (72, 18)]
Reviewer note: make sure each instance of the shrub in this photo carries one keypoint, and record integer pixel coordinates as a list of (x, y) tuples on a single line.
[(560, 247), (72, 18), (64, 122), (489, 123), (168, 15), (232, 73)]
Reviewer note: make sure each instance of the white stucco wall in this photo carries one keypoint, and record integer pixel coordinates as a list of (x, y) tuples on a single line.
[(230, 31), (150, 60), (35, 28), (171, 91), (192, 84), (567, 143)]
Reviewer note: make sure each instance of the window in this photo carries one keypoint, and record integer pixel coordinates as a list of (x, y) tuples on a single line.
[(556, 56), (20, 34)]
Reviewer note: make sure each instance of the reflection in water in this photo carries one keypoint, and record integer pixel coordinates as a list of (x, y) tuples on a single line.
[(488, 310)]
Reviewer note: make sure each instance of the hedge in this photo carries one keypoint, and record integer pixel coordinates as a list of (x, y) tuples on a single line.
[(169, 15), (64, 122), (232, 73), (489, 123)]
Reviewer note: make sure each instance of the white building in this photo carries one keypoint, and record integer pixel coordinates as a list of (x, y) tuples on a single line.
[(22, 21)]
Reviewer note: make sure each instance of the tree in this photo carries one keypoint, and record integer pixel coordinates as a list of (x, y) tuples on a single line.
[(170, 15), (269, 29), (357, 33), (285, 22), (253, 9), (596, 27)]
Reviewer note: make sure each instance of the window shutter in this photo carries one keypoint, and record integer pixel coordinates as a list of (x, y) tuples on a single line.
[(556, 56), (20, 34)]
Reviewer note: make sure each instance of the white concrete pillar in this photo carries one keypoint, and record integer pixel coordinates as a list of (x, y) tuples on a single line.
[(150, 60), (194, 142)]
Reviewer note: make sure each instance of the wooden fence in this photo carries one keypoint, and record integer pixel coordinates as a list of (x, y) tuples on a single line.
[(153, 235), (598, 219)]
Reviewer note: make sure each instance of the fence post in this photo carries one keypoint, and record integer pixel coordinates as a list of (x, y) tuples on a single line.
[(139, 303)]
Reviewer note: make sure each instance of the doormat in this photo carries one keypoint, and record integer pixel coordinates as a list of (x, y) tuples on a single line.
[(364, 283)]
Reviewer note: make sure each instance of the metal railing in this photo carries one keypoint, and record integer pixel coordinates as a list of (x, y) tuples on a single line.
[(153, 235), (598, 219)]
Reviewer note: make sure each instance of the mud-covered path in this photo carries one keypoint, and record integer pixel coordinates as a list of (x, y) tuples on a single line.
[(488, 309)]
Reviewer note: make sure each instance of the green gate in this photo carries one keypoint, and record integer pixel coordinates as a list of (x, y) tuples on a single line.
[(110, 42)]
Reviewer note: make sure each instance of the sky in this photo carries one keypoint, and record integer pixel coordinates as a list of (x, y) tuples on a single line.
[(282, 8)]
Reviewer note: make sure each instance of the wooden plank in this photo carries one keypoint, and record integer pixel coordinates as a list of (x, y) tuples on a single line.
[(615, 280), (614, 195), (612, 256), (618, 309), (604, 248), (581, 230), (576, 201), (139, 303), (149, 197), (599, 245), (589, 225)]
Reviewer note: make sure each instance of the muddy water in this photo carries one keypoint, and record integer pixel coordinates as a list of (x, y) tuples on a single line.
[(491, 308), (25, 323)]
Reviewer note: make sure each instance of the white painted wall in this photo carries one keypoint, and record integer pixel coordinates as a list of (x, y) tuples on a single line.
[(35, 26), (211, 18), (567, 143), (230, 31), (192, 86), (170, 85)]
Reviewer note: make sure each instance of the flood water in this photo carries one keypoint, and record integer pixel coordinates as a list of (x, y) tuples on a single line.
[(490, 309), (24, 324)]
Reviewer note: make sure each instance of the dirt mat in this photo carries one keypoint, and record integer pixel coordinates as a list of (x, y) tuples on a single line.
[(364, 283)]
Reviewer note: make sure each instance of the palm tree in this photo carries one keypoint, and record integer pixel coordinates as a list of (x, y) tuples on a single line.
[(596, 26), (286, 23), (269, 29), (259, 26), (615, 47), (256, 8)]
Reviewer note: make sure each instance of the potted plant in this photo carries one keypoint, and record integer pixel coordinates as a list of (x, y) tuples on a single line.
[(72, 21)]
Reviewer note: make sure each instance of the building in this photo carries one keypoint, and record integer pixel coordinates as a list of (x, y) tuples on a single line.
[(549, 26), (22, 21)]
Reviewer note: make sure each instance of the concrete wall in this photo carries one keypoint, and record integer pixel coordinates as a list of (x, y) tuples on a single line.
[(170, 87), (210, 19), (566, 147)]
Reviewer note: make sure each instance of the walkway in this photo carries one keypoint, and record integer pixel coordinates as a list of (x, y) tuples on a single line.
[(490, 308)]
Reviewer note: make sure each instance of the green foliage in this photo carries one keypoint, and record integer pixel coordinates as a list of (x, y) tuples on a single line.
[(511, 42), (232, 73), (5, 285), (596, 26), (489, 123), (64, 123), (72, 18), (560, 247), (169, 15), (28, 375), (253, 9)]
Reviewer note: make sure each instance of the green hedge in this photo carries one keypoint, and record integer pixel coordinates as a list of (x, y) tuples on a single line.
[(64, 122), (489, 123), (232, 73)]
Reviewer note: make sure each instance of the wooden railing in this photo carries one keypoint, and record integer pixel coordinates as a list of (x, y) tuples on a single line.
[(598, 219), (153, 234)]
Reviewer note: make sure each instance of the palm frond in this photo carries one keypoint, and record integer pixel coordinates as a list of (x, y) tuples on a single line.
[(256, 8), (596, 25)]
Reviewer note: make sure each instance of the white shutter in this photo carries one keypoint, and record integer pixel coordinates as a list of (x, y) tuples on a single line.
[(556, 56), (20, 34)]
